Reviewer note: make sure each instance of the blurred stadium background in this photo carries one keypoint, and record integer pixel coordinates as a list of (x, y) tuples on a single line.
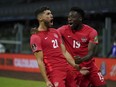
[(17, 18)]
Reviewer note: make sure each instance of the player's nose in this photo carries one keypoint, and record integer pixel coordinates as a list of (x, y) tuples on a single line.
[(51, 15)]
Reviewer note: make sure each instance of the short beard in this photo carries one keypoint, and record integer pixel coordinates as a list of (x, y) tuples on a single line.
[(47, 24), (75, 27)]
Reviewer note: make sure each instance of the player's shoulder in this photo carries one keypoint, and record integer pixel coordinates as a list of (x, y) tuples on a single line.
[(64, 27), (34, 36), (53, 30), (89, 28)]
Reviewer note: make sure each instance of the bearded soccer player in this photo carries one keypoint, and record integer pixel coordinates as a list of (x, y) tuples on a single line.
[(80, 41), (47, 46)]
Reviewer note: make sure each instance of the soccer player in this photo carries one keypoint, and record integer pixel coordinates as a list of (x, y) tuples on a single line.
[(80, 41), (47, 46)]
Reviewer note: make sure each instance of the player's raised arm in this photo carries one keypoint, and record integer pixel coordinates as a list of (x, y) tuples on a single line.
[(92, 45), (70, 60), (89, 56)]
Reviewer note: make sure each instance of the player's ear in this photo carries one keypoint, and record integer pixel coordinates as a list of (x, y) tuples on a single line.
[(39, 17)]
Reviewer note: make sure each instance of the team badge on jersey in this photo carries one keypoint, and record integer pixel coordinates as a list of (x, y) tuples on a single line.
[(55, 35), (84, 39), (34, 47), (96, 39)]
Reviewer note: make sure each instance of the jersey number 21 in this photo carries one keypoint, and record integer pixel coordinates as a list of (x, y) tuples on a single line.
[(55, 43)]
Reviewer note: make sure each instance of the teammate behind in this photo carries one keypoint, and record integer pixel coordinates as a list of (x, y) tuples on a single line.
[(80, 41)]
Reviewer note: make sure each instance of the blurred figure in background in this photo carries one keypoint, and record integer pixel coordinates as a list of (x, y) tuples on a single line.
[(2, 48), (112, 52)]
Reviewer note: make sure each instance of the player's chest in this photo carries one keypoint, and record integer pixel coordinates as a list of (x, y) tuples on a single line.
[(49, 40), (77, 37)]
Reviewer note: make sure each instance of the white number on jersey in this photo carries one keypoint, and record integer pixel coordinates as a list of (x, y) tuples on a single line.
[(100, 76), (76, 44), (55, 43)]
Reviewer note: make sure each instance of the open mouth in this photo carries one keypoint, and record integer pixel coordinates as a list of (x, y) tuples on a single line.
[(51, 21), (70, 24)]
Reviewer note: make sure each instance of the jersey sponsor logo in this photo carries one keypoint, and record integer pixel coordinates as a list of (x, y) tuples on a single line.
[(69, 36), (55, 35), (46, 38), (96, 39), (34, 47), (84, 39)]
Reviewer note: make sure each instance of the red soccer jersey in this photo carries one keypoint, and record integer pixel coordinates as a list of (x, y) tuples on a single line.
[(76, 42), (49, 42)]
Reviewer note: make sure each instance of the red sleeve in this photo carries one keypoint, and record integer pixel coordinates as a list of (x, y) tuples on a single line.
[(35, 43), (93, 37)]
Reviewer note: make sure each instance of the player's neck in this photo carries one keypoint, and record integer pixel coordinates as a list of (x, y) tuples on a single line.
[(42, 27), (80, 27)]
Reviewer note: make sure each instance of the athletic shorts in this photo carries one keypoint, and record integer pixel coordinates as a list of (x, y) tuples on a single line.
[(61, 78), (76, 76), (94, 77)]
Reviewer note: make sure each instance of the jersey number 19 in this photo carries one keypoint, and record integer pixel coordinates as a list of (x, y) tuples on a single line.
[(76, 44)]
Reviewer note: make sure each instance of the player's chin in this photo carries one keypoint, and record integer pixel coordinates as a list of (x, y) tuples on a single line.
[(70, 24)]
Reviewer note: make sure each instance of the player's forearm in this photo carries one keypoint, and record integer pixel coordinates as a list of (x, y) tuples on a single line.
[(91, 52), (71, 61), (39, 57), (42, 70), (88, 57), (69, 58)]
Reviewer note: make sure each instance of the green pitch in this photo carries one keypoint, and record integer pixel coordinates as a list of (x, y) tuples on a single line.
[(11, 82)]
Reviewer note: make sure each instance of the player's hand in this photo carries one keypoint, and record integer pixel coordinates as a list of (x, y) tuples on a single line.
[(49, 84), (78, 59), (77, 67), (84, 70)]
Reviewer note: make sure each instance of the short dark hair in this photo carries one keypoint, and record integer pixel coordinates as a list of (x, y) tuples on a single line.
[(41, 10), (78, 10)]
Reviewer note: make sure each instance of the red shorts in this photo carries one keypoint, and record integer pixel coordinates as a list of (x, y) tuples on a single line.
[(76, 76), (95, 78), (61, 78), (73, 79)]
